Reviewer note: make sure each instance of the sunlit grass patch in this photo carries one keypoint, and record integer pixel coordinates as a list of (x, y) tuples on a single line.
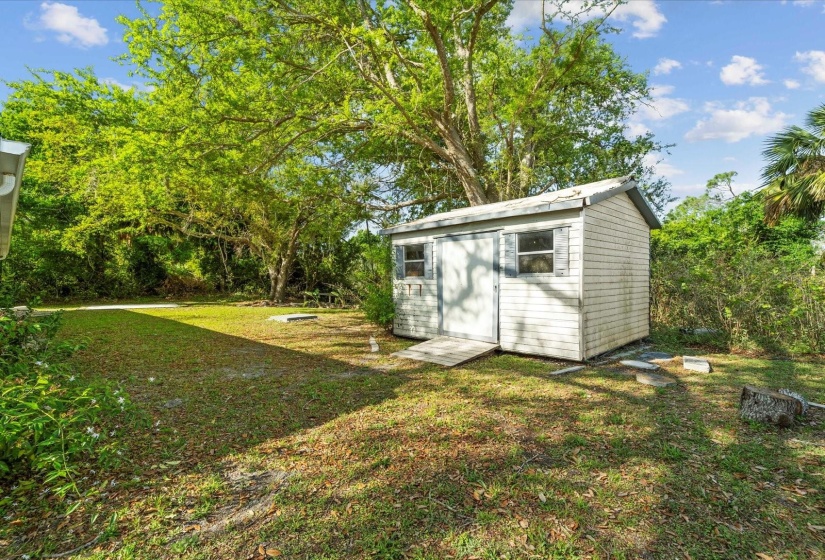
[(331, 451)]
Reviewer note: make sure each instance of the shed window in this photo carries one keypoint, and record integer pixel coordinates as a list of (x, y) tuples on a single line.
[(535, 252), (414, 260)]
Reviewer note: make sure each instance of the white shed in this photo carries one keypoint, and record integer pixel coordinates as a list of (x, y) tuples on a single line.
[(12, 159), (563, 274)]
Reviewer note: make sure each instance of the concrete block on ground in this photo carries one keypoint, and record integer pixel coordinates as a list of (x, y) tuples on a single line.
[(639, 365), (693, 363), (291, 318)]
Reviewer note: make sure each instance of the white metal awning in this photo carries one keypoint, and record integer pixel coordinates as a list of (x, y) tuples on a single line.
[(12, 159)]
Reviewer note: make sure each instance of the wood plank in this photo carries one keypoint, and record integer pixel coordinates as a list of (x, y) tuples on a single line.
[(514, 308), (525, 334), (447, 351), (542, 321), (608, 223), (565, 353), (541, 338), (591, 250), (597, 260), (614, 316), (601, 288), (604, 298), (593, 332), (596, 237)]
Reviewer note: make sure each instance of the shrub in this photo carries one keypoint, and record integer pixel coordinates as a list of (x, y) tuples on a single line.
[(50, 417), (717, 266), (378, 305), (178, 285), (373, 278), (752, 300)]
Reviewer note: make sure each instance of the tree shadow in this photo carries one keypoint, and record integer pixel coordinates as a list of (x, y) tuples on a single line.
[(205, 399), (596, 466)]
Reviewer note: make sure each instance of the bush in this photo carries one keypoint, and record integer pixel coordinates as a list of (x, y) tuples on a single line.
[(373, 278), (716, 265), (752, 300), (378, 305), (50, 417), (178, 285)]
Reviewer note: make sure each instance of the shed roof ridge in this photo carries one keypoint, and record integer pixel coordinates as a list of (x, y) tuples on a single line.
[(571, 197)]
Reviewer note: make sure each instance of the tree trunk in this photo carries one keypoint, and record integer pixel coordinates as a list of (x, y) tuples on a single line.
[(462, 161), (766, 405), (287, 258), (272, 269)]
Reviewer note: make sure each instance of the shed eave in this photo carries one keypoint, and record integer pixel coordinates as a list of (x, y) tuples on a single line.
[(462, 220)]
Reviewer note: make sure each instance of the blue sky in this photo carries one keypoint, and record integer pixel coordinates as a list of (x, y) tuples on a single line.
[(726, 74)]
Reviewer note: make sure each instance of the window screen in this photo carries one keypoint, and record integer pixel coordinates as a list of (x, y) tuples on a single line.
[(414, 260), (535, 252)]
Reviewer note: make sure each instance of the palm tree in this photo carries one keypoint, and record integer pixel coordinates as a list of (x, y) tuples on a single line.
[(794, 178)]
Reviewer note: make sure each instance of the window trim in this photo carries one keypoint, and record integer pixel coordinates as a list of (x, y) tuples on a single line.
[(422, 260), (545, 252)]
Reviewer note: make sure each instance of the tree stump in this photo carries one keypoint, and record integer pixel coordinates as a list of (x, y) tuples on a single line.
[(766, 405)]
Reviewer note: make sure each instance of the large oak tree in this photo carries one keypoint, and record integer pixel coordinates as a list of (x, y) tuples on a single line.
[(440, 95)]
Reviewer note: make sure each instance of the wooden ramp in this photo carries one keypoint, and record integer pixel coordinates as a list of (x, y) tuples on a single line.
[(447, 351)]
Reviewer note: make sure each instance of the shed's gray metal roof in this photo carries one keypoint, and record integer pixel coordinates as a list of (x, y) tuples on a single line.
[(573, 197)]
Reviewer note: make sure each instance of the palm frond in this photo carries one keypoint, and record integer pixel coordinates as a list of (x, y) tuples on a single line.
[(794, 176)]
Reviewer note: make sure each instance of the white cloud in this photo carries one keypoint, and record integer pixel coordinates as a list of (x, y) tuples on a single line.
[(635, 128), (662, 167), (753, 117), (743, 70), (71, 27), (662, 107), (666, 66), (814, 64), (646, 17), (729, 158), (682, 190), (643, 15), (114, 82), (791, 84)]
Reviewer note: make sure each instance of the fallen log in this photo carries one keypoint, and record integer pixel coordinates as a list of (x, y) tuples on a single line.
[(766, 405)]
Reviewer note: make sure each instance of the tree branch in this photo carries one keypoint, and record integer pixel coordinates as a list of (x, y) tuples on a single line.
[(391, 207)]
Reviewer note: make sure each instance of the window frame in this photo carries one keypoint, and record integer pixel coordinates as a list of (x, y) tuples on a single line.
[(545, 252), (422, 260)]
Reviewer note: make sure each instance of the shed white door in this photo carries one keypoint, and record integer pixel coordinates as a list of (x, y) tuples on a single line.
[(468, 286)]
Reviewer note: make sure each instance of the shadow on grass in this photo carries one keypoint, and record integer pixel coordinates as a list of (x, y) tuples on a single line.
[(586, 465), (490, 460), (211, 397)]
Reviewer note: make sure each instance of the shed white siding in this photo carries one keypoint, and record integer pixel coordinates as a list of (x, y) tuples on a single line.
[(537, 315), (616, 282)]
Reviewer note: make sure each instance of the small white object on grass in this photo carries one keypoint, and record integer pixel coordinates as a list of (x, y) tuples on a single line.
[(693, 363), (291, 318), (373, 345), (639, 365)]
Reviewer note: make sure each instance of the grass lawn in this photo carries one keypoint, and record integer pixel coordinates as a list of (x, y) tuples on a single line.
[(292, 440)]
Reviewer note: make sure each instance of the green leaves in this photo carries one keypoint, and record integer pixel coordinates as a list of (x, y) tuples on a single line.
[(794, 175), (50, 418)]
